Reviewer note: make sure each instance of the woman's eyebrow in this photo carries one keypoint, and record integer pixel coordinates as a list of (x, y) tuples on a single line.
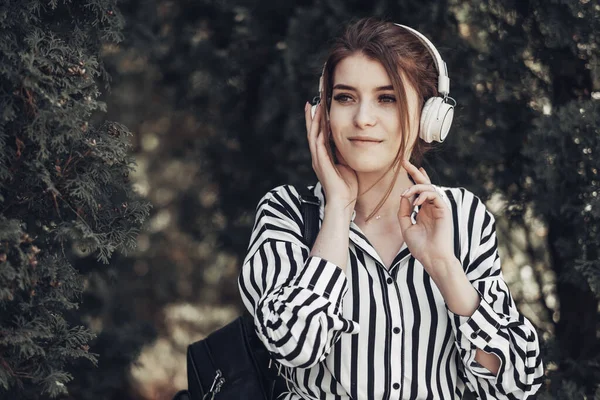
[(341, 86)]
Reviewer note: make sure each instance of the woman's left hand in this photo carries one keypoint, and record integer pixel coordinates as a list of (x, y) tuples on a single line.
[(431, 239)]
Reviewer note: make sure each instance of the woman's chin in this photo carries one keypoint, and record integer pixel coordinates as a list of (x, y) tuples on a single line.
[(375, 166)]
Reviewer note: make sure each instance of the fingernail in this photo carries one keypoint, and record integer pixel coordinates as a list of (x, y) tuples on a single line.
[(406, 191)]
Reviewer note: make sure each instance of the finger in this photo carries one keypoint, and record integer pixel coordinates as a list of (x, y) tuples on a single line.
[(307, 117), (431, 197), (322, 153), (404, 213), (307, 120), (425, 173), (414, 172), (313, 131), (418, 189)]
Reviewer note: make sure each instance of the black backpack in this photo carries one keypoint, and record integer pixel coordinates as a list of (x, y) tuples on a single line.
[(232, 363)]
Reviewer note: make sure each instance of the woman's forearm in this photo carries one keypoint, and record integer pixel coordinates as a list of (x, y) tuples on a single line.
[(462, 299), (332, 241)]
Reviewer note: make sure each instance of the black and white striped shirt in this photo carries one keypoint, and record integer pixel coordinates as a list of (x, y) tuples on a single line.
[(373, 333)]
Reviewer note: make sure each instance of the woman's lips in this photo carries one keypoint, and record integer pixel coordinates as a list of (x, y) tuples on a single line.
[(365, 142)]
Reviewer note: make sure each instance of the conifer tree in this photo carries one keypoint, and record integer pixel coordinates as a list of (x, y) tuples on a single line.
[(64, 186)]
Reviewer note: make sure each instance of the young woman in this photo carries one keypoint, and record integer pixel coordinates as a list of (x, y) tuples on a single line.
[(401, 296)]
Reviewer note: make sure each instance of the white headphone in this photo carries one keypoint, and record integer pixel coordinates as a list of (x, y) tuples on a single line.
[(437, 113)]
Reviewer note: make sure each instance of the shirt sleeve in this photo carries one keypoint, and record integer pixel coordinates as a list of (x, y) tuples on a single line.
[(496, 326), (296, 300)]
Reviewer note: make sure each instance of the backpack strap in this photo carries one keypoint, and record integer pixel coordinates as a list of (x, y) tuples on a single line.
[(310, 215)]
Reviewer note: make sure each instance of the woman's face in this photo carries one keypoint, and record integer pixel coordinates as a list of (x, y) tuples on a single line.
[(364, 117)]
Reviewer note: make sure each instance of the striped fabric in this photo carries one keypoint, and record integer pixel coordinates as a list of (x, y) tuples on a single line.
[(373, 333)]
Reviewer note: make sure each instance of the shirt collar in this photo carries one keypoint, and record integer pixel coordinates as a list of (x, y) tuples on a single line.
[(356, 236)]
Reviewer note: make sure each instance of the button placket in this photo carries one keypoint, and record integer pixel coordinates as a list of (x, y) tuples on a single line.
[(396, 337)]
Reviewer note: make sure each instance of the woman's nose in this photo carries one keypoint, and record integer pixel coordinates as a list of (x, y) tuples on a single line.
[(364, 115)]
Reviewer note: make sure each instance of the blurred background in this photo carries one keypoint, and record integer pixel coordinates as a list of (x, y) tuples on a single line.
[(213, 92)]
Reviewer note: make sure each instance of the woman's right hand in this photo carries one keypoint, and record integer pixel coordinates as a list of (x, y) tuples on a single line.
[(339, 181)]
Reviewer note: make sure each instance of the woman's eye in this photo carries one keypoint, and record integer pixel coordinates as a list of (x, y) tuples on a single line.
[(342, 98), (387, 98)]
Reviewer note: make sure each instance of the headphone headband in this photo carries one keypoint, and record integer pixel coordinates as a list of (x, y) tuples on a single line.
[(443, 79)]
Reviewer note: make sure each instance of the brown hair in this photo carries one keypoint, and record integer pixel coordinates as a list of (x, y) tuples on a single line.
[(398, 51)]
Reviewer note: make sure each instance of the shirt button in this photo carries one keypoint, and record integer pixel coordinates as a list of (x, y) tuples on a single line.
[(396, 330), (390, 281), (473, 335), (396, 386)]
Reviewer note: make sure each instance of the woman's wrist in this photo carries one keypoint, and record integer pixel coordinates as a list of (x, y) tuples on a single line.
[(441, 268), (332, 241), (458, 292)]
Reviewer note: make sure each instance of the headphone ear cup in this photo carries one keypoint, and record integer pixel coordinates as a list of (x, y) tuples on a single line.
[(424, 132), (436, 119), (313, 110)]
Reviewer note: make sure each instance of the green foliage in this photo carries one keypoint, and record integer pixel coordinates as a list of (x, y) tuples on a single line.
[(564, 146), (562, 153), (64, 187), (37, 289)]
